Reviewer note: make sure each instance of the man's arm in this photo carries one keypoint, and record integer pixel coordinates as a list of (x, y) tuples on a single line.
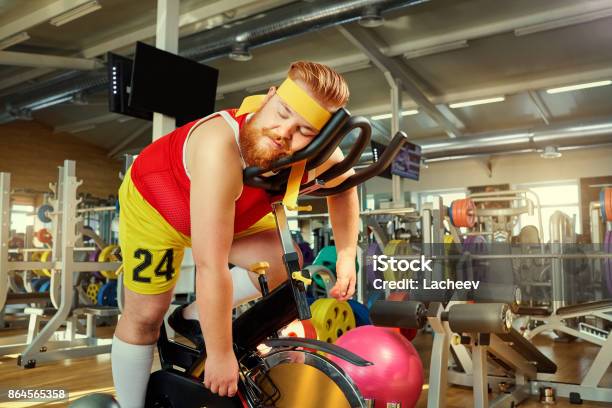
[(344, 217), (215, 184)]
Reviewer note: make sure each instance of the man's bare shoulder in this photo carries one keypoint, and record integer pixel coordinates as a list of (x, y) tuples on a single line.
[(213, 140), (213, 132)]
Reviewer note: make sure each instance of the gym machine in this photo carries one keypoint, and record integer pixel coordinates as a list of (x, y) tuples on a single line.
[(273, 378), (498, 223), (487, 329), (500, 358)]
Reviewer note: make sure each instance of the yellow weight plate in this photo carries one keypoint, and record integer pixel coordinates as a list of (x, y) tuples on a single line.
[(393, 248), (35, 257), (108, 255), (44, 257), (450, 271), (92, 291), (331, 318)]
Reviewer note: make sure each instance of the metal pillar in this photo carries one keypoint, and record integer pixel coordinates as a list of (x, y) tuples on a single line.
[(396, 120), (5, 224), (362, 276), (481, 385), (438, 368), (166, 39)]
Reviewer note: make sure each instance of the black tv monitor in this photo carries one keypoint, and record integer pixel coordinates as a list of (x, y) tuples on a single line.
[(377, 151), (119, 71), (406, 164), (170, 84)]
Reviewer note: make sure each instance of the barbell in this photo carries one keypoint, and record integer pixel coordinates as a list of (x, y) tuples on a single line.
[(45, 210)]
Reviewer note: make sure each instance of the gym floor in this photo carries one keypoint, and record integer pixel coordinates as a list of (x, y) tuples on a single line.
[(93, 374)]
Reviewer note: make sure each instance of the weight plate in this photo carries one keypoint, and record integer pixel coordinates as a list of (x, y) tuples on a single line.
[(108, 255), (42, 211), (331, 318)]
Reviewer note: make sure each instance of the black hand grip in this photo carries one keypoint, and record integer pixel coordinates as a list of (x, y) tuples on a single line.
[(319, 346), (351, 124), (372, 170), (252, 175), (363, 140)]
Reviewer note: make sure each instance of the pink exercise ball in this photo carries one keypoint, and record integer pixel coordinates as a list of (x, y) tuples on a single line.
[(397, 373)]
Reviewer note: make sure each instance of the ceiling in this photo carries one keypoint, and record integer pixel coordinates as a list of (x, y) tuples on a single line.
[(451, 51)]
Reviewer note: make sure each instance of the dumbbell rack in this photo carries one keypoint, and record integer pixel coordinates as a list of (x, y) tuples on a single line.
[(51, 343), (15, 344)]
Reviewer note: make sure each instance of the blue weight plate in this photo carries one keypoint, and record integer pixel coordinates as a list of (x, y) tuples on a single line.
[(361, 312), (45, 286), (107, 296), (42, 211)]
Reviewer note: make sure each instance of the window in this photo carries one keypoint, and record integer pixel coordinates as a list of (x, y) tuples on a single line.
[(21, 216), (370, 202), (564, 197)]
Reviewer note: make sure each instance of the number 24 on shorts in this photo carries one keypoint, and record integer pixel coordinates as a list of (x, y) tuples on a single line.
[(163, 268)]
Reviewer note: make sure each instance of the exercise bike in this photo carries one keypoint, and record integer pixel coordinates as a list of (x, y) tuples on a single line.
[(292, 372)]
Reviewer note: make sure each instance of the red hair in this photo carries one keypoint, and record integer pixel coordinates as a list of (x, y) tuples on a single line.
[(326, 84)]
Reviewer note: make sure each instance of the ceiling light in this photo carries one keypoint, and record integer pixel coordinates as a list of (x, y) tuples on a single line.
[(22, 114), (371, 18), (240, 52), (550, 152), (564, 22), (83, 128), (578, 86), (75, 13), (436, 49), (476, 102), (79, 99), (389, 116), (15, 39)]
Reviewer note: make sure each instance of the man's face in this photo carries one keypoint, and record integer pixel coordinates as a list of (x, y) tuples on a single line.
[(274, 131)]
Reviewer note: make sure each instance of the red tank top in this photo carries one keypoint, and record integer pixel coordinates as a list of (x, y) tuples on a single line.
[(159, 175)]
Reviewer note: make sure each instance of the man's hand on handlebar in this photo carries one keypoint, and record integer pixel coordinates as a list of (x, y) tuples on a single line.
[(345, 279), (221, 374)]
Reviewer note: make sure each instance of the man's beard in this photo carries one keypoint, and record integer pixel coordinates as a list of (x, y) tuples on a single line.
[(256, 150)]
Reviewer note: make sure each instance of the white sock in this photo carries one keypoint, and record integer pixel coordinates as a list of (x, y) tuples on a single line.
[(191, 312), (131, 364), (243, 288)]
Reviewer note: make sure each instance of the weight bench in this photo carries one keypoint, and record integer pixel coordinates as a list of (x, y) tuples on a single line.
[(556, 321), (487, 328), (93, 312)]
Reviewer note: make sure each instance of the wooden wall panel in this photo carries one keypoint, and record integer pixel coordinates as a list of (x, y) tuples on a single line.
[(31, 152)]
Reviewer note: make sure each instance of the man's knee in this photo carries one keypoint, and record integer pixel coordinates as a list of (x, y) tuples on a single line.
[(142, 317), (139, 328), (147, 319)]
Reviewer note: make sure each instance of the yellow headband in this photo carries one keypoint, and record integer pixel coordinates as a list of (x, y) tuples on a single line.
[(294, 96), (309, 109)]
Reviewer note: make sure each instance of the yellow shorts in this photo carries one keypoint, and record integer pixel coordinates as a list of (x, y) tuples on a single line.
[(152, 249)]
